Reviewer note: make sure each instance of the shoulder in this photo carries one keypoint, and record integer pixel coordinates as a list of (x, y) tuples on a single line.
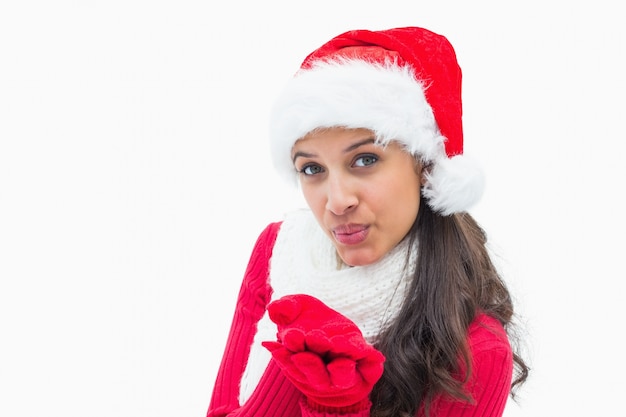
[(258, 264), (281, 230), (269, 233), (486, 333), (491, 371), (266, 239), (492, 355)]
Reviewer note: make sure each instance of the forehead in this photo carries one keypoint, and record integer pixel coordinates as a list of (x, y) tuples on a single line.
[(328, 134)]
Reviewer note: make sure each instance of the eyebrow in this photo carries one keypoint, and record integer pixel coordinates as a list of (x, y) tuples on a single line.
[(358, 144), (346, 150)]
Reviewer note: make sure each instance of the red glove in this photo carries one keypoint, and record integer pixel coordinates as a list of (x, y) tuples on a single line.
[(322, 352)]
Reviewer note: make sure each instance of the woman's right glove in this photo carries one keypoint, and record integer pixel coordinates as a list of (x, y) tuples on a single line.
[(322, 352)]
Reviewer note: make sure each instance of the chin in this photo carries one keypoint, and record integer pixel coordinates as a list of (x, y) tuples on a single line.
[(353, 258)]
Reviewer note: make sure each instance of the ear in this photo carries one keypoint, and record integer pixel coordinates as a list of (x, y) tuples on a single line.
[(422, 169)]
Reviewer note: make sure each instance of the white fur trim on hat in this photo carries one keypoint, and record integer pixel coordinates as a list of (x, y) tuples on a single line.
[(454, 184), (384, 98)]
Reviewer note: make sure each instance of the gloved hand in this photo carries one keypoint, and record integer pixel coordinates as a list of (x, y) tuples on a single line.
[(322, 352)]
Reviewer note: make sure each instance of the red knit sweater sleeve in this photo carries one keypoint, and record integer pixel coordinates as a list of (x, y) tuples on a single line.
[(274, 396), (492, 370), (254, 295)]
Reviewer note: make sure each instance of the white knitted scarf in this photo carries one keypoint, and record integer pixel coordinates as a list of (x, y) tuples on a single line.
[(304, 260)]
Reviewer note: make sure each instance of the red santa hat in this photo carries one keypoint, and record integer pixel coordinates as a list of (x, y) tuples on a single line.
[(404, 84)]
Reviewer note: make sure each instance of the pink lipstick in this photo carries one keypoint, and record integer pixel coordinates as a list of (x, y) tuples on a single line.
[(350, 234)]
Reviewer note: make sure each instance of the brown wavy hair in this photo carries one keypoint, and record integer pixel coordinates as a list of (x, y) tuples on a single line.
[(454, 280)]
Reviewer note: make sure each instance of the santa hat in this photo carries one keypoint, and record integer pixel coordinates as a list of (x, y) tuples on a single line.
[(404, 84)]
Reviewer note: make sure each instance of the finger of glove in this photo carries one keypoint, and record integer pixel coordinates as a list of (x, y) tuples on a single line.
[(371, 366), (343, 373), (351, 346), (293, 339), (318, 341), (314, 368), (284, 311), (284, 359), (272, 346)]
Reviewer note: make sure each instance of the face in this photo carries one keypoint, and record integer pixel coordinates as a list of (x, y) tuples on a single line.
[(364, 196)]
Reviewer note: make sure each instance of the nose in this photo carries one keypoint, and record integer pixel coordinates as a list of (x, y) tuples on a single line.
[(341, 195)]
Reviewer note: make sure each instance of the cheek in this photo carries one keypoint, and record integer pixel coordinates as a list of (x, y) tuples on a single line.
[(314, 198), (401, 186), (402, 201)]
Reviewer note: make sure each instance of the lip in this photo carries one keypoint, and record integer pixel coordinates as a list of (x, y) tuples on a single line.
[(350, 234)]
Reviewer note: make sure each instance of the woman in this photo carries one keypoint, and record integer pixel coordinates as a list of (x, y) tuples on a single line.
[(380, 299)]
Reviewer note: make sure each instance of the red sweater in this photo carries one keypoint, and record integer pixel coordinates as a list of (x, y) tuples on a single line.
[(275, 396)]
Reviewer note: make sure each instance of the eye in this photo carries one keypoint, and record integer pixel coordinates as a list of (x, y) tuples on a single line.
[(311, 169), (365, 160)]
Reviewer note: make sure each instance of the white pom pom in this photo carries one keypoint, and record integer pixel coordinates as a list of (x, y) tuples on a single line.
[(453, 185)]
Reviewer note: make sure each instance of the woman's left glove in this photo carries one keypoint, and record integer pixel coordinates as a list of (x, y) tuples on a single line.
[(322, 352)]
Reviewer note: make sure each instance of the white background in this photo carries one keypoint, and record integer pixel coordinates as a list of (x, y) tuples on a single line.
[(135, 177)]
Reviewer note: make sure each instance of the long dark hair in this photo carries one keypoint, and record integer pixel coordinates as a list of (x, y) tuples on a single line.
[(454, 280)]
